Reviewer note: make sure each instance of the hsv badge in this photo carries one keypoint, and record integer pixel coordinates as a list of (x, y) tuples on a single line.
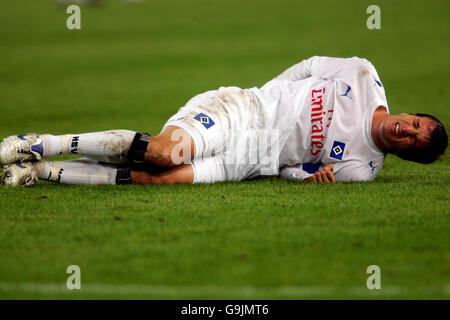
[(206, 121), (337, 151)]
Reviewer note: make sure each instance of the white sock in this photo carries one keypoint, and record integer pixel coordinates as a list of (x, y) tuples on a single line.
[(81, 171), (105, 145), (52, 145)]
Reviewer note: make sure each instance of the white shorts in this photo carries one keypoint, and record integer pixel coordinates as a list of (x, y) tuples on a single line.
[(225, 126)]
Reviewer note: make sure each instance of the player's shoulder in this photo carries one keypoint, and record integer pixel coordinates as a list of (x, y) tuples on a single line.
[(353, 59), (363, 72), (360, 61), (364, 66)]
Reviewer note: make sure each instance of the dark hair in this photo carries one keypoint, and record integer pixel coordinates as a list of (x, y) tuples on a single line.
[(434, 148)]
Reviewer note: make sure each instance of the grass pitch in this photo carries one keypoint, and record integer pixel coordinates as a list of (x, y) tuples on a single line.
[(131, 66)]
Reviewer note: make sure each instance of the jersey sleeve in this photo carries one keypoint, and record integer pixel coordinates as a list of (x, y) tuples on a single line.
[(299, 172), (343, 171), (346, 69), (355, 171), (294, 173), (298, 71)]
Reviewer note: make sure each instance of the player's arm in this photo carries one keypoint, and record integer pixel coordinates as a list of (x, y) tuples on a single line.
[(356, 170), (298, 71), (345, 171), (328, 68), (309, 172)]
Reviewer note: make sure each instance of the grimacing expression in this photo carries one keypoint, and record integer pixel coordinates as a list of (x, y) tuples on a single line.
[(405, 131)]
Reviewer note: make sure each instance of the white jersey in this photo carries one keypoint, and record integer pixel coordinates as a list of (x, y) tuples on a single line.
[(326, 105), (320, 109)]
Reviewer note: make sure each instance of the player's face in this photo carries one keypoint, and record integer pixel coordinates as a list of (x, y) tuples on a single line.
[(405, 131)]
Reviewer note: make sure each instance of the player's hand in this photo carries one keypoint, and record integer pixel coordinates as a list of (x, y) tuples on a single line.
[(323, 175)]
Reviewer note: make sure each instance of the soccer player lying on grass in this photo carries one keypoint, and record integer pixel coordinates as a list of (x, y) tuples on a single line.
[(323, 120)]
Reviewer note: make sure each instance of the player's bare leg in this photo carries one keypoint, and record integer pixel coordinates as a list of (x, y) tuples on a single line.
[(172, 147), (179, 174)]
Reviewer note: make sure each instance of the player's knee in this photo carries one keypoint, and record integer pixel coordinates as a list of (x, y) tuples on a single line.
[(165, 152), (159, 152)]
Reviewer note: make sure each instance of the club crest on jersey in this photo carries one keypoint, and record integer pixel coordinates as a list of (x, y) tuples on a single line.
[(337, 151), (205, 120)]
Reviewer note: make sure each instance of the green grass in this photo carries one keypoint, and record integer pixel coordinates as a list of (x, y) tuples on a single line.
[(132, 66)]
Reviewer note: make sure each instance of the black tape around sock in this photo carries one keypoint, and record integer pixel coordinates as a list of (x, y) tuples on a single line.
[(138, 147), (123, 176)]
